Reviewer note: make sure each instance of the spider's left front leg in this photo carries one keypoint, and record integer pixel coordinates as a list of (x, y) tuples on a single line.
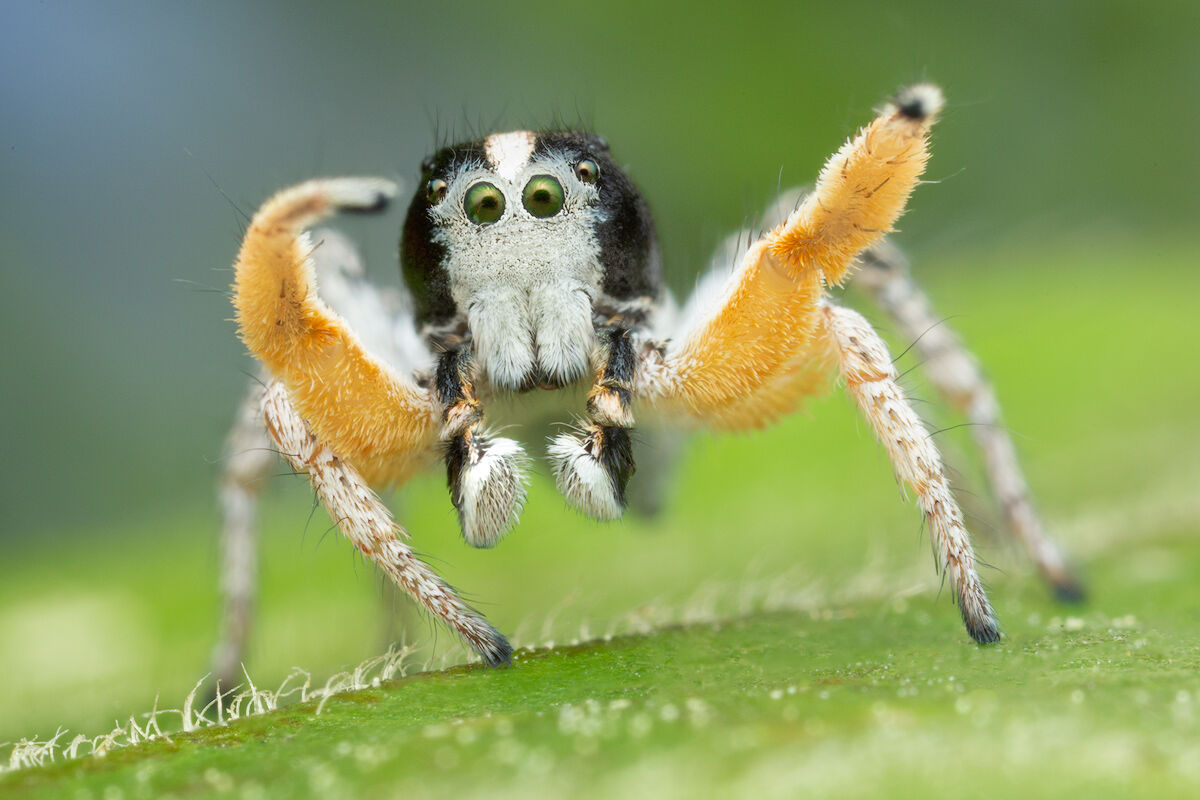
[(366, 522), (592, 468)]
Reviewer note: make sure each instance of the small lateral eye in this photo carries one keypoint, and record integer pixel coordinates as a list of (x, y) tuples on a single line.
[(484, 203), (435, 190), (587, 170), (543, 196)]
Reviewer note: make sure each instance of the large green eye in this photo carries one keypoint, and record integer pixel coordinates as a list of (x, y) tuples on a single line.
[(543, 196), (484, 203)]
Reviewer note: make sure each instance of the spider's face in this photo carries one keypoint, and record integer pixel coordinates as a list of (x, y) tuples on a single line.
[(521, 236)]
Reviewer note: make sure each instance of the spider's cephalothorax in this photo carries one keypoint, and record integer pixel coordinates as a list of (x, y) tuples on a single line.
[(531, 260), (517, 242)]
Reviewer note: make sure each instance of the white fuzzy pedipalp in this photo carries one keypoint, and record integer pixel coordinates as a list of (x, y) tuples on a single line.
[(582, 480), (492, 493)]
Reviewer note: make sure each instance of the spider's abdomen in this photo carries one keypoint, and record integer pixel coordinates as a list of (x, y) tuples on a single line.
[(517, 241)]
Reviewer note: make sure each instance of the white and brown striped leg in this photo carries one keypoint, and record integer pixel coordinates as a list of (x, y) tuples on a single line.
[(871, 381), (367, 523), (247, 464), (958, 379), (485, 473), (592, 468)]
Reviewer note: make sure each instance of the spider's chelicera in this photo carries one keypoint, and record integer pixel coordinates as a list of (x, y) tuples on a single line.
[(532, 263)]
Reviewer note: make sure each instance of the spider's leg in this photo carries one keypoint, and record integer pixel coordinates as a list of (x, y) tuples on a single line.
[(871, 381), (484, 472), (366, 522), (960, 382), (249, 454), (383, 320), (370, 413), (592, 468), (754, 329)]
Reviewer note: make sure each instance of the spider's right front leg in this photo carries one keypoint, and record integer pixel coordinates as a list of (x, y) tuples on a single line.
[(484, 472)]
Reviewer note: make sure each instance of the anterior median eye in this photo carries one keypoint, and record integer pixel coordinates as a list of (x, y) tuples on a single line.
[(484, 203), (543, 196)]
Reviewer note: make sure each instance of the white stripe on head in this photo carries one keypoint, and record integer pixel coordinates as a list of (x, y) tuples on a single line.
[(509, 152)]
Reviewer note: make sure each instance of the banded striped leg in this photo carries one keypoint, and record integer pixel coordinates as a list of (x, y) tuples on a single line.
[(485, 474), (871, 381), (960, 382), (248, 458), (366, 522), (593, 470)]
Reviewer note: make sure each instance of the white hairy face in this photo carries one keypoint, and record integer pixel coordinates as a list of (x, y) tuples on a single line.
[(526, 284)]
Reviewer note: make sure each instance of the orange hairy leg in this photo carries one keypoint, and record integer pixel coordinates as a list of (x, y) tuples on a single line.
[(765, 326), (356, 405), (781, 394)]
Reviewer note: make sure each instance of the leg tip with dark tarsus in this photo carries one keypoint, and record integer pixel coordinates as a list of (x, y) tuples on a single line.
[(986, 631), (496, 651), (919, 102), (1069, 590), (360, 195)]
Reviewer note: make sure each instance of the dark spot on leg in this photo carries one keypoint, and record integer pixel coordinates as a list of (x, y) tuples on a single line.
[(377, 204)]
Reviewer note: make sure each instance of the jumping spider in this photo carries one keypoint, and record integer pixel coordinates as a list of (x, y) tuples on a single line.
[(532, 263)]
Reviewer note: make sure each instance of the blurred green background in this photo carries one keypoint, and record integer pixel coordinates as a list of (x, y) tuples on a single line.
[(1060, 235)]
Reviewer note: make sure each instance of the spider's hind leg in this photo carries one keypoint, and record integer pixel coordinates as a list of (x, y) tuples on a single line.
[(961, 384), (485, 473), (871, 381), (248, 458), (593, 467)]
